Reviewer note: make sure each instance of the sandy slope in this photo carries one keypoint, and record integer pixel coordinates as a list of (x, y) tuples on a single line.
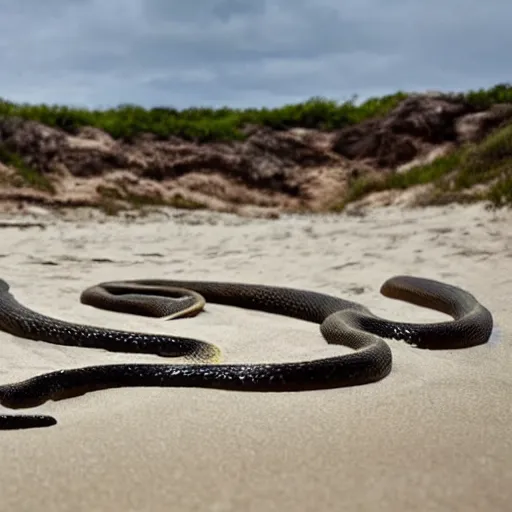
[(434, 435)]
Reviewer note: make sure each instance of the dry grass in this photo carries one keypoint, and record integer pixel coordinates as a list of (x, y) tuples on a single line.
[(487, 163)]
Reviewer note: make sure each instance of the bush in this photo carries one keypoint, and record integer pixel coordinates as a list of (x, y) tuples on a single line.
[(489, 162)]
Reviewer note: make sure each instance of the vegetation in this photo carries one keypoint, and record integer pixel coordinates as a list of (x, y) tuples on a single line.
[(28, 176), (202, 124), (207, 124), (113, 200), (488, 163)]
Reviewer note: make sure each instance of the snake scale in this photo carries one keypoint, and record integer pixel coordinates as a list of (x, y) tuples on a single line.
[(341, 322)]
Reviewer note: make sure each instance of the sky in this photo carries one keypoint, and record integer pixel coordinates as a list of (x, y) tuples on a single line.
[(247, 53)]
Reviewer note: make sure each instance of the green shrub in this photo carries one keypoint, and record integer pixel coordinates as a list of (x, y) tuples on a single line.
[(31, 177), (488, 162)]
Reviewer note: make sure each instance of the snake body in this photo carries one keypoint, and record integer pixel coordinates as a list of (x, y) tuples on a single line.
[(341, 322)]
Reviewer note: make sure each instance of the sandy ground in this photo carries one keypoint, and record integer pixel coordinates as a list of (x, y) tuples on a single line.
[(434, 435)]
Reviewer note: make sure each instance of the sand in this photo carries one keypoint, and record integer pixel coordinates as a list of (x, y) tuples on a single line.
[(432, 436)]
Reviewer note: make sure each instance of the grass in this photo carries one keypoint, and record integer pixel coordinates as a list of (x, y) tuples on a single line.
[(207, 124), (29, 176), (114, 200), (202, 124), (500, 194), (487, 163)]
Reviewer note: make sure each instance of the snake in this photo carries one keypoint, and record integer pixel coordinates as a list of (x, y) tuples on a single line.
[(341, 322)]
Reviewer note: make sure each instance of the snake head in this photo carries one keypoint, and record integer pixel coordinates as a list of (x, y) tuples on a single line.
[(4, 287)]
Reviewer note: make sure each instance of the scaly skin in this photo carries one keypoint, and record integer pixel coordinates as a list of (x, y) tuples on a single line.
[(341, 322)]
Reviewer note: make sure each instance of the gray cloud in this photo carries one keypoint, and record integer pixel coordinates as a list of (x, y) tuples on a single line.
[(247, 53)]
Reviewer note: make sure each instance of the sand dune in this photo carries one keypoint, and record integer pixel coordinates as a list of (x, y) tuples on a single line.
[(434, 435)]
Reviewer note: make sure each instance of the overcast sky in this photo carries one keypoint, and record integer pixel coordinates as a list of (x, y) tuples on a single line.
[(181, 53)]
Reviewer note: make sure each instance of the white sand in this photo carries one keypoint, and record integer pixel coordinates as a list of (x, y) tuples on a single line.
[(434, 435)]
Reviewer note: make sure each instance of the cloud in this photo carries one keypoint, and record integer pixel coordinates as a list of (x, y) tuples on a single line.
[(245, 53)]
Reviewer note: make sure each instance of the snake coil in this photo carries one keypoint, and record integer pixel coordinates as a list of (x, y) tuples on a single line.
[(341, 322)]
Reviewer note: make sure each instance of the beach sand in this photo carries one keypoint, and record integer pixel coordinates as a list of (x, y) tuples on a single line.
[(432, 436)]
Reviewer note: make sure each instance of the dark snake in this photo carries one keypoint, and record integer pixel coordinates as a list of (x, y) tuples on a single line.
[(341, 322)]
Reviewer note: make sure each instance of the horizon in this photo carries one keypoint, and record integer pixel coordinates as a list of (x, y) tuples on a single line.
[(355, 100)]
